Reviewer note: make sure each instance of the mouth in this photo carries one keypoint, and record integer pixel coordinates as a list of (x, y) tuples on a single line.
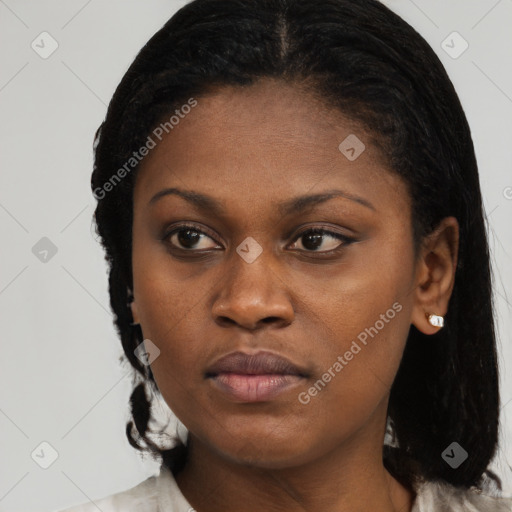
[(254, 378)]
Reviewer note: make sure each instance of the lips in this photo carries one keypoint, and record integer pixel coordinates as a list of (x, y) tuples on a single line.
[(262, 363), (258, 377)]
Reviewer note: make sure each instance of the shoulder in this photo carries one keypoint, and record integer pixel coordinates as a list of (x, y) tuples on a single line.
[(158, 492), (140, 497), (443, 497)]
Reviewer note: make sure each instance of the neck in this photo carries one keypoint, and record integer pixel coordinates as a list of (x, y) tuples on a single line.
[(350, 478)]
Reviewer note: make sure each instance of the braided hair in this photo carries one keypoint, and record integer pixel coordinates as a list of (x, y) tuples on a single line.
[(360, 58)]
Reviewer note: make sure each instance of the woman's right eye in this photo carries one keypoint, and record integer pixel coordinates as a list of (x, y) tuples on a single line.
[(191, 239)]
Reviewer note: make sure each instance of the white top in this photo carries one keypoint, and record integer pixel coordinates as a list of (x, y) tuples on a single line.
[(160, 493)]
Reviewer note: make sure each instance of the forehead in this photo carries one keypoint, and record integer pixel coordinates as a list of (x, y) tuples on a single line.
[(270, 139)]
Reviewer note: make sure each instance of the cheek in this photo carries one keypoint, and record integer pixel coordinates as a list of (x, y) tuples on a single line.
[(365, 362), (163, 296), (167, 310), (362, 317), (348, 298), (170, 318), (355, 375)]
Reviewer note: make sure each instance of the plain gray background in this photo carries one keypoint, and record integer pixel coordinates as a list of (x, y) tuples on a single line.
[(61, 379)]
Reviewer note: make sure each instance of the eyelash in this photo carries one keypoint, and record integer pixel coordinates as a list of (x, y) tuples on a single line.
[(346, 240)]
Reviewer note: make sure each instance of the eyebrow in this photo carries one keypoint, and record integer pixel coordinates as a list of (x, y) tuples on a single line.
[(288, 207)]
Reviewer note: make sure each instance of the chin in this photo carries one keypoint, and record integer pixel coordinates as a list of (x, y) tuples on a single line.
[(265, 458), (264, 450)]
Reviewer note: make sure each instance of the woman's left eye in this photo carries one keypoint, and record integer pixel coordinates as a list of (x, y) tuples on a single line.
[(319, 240)]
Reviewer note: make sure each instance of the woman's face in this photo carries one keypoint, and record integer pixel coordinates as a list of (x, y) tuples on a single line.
[(253, 171)]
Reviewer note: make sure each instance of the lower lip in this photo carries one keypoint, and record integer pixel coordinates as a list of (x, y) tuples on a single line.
[(253, 388)]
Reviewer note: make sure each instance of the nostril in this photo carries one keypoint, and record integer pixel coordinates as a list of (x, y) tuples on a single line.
[(269, 319), (225, 321)]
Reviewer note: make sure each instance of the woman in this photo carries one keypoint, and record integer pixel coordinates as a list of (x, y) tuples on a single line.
[(289, 202)]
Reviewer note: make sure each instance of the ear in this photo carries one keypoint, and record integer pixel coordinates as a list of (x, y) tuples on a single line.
[(435, 274), (133, 307)]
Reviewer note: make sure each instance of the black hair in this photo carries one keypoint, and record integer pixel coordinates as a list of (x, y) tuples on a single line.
[(365, 61)]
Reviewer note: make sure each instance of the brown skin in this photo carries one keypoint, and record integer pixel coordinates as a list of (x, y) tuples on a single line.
[(251, 149)]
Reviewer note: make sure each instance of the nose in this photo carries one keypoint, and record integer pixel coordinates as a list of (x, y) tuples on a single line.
[(252, 295)]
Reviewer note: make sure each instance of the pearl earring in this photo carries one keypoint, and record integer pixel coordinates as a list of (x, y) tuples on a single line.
[(435, 320)]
